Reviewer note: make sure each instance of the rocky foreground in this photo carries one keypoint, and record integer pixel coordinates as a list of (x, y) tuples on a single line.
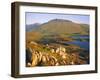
[(53, 55)]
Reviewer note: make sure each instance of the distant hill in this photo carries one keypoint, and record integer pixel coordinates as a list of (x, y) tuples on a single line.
[(59, 26), (85, 27), (32, 27)]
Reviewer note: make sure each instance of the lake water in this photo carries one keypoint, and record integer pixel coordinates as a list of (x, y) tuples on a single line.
[(82, 37), (82, 44)]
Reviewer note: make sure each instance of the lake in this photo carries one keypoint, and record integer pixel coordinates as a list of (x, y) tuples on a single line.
[(80, 36), (82, 44)]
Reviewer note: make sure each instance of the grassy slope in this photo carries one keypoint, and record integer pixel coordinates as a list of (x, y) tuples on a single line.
[(62, 27)]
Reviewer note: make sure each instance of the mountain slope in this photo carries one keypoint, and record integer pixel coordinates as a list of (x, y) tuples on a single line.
[(60, 26), (32, 27)]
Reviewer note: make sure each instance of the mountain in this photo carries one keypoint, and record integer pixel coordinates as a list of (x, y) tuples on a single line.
[(32, 27), (60, 26), (85, 27)]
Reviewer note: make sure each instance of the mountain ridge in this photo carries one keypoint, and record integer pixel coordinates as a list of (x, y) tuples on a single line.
[(60, 26)]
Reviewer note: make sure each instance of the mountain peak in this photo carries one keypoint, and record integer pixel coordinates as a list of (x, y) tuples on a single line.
[(61, 20)]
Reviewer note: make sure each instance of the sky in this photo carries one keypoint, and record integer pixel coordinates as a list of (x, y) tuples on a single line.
[(32, 17)]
